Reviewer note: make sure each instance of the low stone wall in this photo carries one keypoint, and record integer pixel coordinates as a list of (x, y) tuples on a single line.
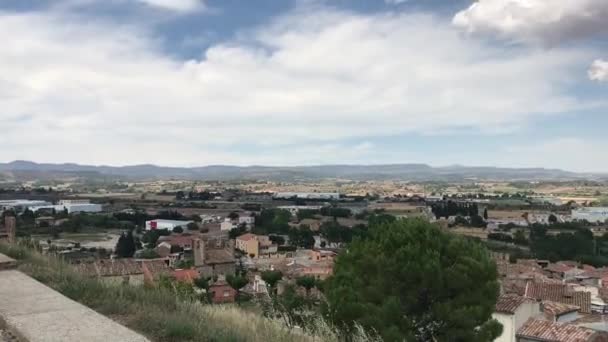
[(34, 312)]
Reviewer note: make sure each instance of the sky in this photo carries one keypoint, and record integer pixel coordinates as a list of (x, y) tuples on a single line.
[(512, 83)]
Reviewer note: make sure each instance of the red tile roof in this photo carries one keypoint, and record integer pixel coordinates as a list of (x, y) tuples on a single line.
[(508, 303), (546, 331), (247, 237), (552, 309), (559, 268), (187, 276), (560, 293)]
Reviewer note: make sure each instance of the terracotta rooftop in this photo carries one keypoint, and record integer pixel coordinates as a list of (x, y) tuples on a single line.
[(247, 237), (552, 309), (219, 256), (187, 276), (546, 331), (559, 293), (559, 268), (509, 303)]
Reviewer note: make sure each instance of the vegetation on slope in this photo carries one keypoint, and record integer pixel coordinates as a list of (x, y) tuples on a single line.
[(159, 313)]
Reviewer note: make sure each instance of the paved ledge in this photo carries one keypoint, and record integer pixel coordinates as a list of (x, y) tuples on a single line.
[(37, 313), (7, 263)]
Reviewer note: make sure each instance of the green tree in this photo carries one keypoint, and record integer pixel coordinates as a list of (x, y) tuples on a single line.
[(411, 281), (192, 226), (150, 238), (552, 219), (237, 282), (125, 247), (178, 230), (307, 282), (272, 278), (520, 237)]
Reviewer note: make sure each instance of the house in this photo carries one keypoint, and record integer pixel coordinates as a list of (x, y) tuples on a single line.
[(535, 330), (322, 255), (256, 245), (186, 276), (247, 220), (211, 262), (227, 225), (562, 271), (166, 224), (559, 312), (512, 312), (221, 292), (180, 241), (163, 249), (560, 293)]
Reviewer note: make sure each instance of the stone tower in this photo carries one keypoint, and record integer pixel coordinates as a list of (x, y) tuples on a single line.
[(198, 251), (10, 224)]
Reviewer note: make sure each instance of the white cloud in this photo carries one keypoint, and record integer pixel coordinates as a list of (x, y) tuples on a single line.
[(568, 153), (395, 2), (548, 22), (176, 5), (97, 93), (599, 71)]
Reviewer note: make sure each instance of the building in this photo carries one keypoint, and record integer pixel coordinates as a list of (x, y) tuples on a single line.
[(185, 276), (560, 293), (247, 220), (213, 262), (535, 330), (512, 312), (295, 209), (21, 205), (560, 312), (166, 224), (591, 214), (308, 195), (71, 206), (255, 245), (227, 225), (221, 292)]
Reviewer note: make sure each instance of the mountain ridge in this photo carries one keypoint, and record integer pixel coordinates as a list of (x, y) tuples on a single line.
[(404, 171)]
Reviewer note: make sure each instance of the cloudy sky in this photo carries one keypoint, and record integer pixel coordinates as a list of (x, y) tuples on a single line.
[(301, 82)]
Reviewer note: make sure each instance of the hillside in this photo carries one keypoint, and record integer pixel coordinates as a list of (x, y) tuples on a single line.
[(26, 170)]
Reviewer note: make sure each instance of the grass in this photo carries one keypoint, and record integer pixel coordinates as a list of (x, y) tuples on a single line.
[(159, 313)]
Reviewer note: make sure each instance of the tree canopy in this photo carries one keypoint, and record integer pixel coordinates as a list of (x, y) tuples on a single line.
[(411, 281)]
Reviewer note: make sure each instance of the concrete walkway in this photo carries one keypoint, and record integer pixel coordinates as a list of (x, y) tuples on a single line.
[(37, 313)]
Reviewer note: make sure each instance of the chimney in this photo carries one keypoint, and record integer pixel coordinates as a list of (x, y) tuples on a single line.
[(10, 224)]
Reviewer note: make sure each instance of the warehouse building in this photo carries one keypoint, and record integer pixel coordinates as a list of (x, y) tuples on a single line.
[(591, 214), (166, 224)]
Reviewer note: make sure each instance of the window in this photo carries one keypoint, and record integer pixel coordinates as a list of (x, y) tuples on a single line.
[(226, 293)]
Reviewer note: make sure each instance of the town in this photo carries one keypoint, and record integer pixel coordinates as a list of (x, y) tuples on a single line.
[(264, 245)]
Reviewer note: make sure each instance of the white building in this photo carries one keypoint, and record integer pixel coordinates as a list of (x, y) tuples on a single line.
[(227, 225), (512, 311), (308, 195), (247, 220), (591, 214), (295, 209), (21, 205), (72, 207), (160, 224)]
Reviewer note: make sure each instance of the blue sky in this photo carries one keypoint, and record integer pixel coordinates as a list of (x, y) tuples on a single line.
[(520, 83)]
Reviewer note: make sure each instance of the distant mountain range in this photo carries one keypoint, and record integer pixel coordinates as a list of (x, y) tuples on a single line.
[(26, 170)]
